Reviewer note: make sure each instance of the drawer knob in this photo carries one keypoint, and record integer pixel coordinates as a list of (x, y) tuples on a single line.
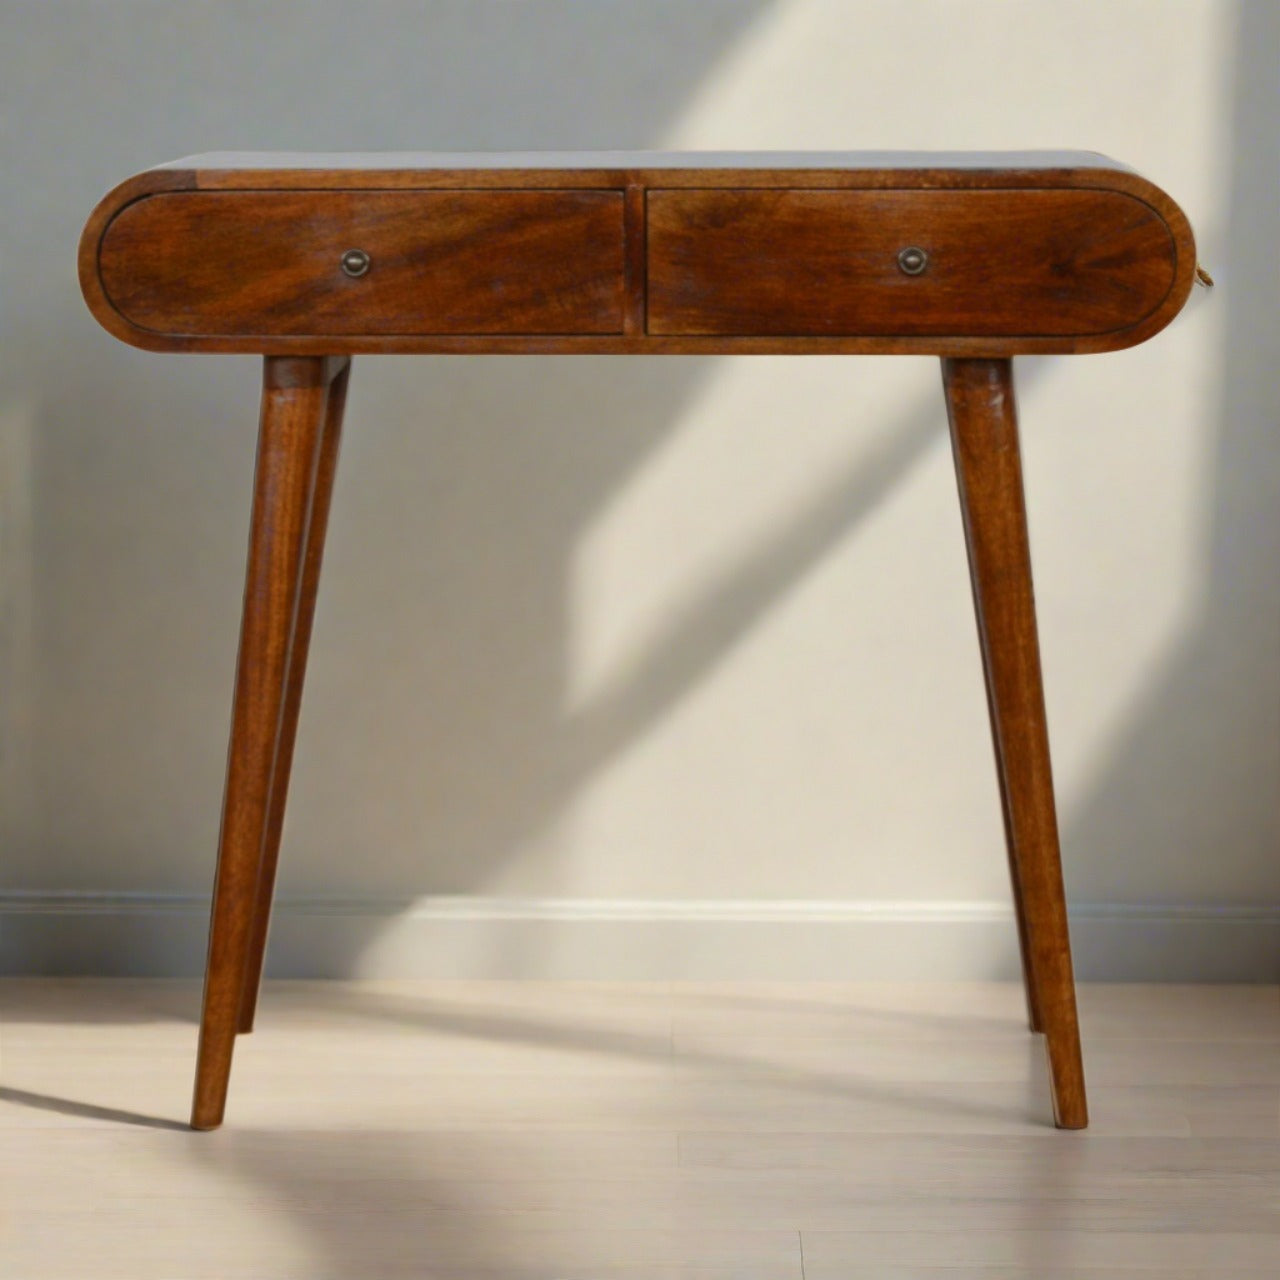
[(912, 260), (355, 262)]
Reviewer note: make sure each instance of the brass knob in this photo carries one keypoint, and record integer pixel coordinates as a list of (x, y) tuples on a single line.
[(912, 260), (355, 262)]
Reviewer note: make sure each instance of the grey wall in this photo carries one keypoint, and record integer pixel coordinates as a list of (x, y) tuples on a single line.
[(627, 647)]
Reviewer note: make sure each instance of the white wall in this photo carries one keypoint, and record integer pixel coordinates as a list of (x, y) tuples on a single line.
[(657, 667)]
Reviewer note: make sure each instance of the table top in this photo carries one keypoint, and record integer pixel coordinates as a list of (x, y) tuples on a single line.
[(624, 160), (989, 253)]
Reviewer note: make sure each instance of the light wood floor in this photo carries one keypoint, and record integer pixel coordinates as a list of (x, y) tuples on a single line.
[(535, 1131)]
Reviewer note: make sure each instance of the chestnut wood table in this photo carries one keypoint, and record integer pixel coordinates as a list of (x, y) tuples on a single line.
[(310, 259)]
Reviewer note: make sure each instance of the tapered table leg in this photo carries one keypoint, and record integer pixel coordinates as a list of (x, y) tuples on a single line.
[(984, 437), (1015, 876), (313, 555), (294, 401)]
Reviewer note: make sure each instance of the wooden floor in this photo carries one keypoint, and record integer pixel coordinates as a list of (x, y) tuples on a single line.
[(581, 1132)]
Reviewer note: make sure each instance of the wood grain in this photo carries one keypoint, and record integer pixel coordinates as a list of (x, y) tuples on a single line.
[(825, 263), (268, 263), (984, 436), (637, 254), (294, 402), (1104, 270), (317, 524)]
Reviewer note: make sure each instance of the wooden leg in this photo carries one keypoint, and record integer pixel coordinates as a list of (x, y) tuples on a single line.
[(313, 555), (294, 397), (1015, 876), (984, 437)]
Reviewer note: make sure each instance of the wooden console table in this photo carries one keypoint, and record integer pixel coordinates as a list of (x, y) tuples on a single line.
[(310, 259)]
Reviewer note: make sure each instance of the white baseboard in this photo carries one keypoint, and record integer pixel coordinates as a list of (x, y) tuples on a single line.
[(157, 935)]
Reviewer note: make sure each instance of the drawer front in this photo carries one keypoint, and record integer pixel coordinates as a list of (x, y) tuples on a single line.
[(1000, 263), (439, 262)]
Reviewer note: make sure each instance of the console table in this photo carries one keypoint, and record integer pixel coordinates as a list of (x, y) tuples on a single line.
[(308, 260)]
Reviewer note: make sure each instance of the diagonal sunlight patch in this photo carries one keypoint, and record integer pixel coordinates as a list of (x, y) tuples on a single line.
[(762, 478)]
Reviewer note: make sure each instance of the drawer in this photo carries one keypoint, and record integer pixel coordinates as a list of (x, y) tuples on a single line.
[(1000, 263), (439, 262)]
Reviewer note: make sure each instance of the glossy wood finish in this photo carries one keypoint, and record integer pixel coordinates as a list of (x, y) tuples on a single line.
[(984, 437), (294, 412), (1092, 257), (634, 253), (825, 263), (268, 263), (317, 525)]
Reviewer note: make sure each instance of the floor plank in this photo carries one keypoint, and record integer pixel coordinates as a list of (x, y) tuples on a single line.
[(560, 1131)]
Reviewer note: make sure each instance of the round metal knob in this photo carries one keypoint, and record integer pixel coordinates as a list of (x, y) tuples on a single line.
[(355, 262), (912, 260)]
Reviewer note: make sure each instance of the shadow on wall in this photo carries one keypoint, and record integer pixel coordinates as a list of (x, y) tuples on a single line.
[(498, 513), (137, 553), (478, 506), (494, 503), (469, 514), (1198, 763)]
